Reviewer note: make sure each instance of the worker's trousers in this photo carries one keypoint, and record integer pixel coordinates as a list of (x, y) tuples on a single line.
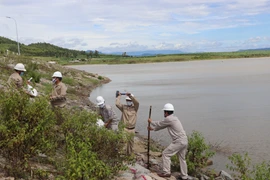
[(178, 147), (130, 142)]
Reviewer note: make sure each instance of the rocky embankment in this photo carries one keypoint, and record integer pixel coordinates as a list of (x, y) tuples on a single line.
[(140, 171), (79, 83)]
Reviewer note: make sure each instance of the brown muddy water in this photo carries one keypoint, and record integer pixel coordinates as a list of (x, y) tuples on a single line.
[(228, 101)]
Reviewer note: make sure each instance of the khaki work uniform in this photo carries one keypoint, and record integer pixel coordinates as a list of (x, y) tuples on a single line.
[(15, 79), (129, 118), (178, 146), (108, 114), (59, 95)]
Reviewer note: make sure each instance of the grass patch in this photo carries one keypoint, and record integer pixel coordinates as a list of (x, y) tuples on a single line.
[(47, 88), (69, 81)]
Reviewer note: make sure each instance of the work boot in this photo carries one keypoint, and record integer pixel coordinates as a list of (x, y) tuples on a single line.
[(180, 178), (164, 175)]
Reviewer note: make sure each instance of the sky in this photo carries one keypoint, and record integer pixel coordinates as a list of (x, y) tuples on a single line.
[(139, 25)]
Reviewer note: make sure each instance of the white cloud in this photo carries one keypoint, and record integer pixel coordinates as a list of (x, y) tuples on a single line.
[(134, 25)]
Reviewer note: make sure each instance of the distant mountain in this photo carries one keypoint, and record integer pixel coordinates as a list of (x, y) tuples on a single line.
[(149, 52), (258, 49)]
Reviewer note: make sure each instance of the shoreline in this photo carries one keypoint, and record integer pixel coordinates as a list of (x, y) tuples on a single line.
[(82, 91), (159, 61), (219, 154)]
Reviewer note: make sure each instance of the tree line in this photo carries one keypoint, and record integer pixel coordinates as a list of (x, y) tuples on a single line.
[(43, 49)]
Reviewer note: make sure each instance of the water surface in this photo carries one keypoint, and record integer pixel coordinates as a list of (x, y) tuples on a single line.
[(226, 100)]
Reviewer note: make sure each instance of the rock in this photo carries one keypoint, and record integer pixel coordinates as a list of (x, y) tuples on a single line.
[(51, 177), (156, 154), (154, 161), (42, 155), (140, 169), (225, 175), (146, 177), (219, 178), (209, 162), (135, 172), (204, 177), (7, 178), (11, 66), (154, 176)]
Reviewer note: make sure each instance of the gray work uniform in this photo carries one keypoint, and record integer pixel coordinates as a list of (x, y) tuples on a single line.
[(178, 146), (15, 79), (107, 114), (129, 118), (59, 95)]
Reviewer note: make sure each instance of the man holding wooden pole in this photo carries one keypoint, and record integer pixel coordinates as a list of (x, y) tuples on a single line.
[(179, 141), (148, 144)]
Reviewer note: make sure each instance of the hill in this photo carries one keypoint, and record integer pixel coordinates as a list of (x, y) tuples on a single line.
[(257, 49), (38, 49)]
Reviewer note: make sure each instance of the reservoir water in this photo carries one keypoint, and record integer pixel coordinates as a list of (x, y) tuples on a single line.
[(227, 101)]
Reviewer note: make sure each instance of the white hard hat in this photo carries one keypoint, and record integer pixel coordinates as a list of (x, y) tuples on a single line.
[(57, 74), (20, 67), (100, 100), (168, 107), (128, 98)]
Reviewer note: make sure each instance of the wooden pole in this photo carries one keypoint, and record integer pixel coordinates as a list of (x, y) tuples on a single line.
[(148, 146)]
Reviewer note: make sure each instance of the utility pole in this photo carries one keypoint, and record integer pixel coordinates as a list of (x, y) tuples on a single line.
[(16, 33)]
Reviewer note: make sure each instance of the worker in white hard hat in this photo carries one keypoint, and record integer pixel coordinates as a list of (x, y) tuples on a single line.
[(129, 117), (107, 113), (16, 77), (179, 142), (58, 96), (16, 80)]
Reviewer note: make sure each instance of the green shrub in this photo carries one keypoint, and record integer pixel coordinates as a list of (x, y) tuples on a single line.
[(198, 154), (35, 76), (32, 70), (91, 152), (241, 166), (84, 151), (81, 162), (100, 77), (47, 88), (31, 66), (40, 174), (25, 130), (262, 171)]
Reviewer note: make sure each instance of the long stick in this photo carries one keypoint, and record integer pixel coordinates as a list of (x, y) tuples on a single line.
[(148, 146)]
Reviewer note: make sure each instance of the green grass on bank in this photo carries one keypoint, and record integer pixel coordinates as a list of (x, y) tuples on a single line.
[(117, 59), (171, 58)]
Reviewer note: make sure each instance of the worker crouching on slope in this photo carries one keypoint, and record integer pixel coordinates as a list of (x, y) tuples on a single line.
[(179, 141), (16, 77), (15, 80), (129, 117), (58, 96), (107, 113)]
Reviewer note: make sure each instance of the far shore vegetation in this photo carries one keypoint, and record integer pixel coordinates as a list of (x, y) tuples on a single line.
[(113, 59)]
